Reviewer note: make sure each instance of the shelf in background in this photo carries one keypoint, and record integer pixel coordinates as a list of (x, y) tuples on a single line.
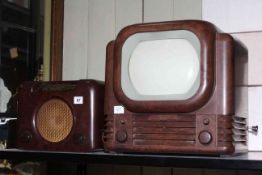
[(18, 27), (15, 7), (247, 161)]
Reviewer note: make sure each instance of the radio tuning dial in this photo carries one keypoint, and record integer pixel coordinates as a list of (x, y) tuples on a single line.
[(205, 137), (121, 136)]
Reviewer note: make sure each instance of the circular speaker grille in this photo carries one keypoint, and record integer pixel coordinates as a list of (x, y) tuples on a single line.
[(54, 120)]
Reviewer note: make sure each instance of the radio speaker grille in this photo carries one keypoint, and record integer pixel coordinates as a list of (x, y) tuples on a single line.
[(54, 120)]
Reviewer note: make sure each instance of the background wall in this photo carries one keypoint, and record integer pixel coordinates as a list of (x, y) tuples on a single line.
[(242, 19), (90, 24)]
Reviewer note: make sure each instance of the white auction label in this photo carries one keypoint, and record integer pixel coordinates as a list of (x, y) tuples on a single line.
[(119, 110), (78, 100)]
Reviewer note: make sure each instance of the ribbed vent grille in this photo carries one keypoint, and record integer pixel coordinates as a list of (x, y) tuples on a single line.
[(232, 130), (108, 131), (239, 130), (164, 130)]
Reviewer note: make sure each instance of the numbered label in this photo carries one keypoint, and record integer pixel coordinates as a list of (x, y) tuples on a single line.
[(119, 110), (78, 100)]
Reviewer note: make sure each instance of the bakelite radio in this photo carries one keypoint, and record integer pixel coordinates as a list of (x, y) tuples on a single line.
[(60, 116), (170, 89)]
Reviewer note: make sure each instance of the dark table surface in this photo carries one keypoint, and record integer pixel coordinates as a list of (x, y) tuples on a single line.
[(246, 161)]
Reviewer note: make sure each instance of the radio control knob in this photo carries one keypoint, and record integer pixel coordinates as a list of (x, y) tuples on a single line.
[(26, 137), (205, 137), (80, 139), (121, 136)]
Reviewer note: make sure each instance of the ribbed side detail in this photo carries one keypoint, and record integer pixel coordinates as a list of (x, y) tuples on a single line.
[(108, 131), (232, 130), (240, 132), (225, 134), (163, 130)]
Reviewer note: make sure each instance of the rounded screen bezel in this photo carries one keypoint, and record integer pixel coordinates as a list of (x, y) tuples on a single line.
[(205, 32)]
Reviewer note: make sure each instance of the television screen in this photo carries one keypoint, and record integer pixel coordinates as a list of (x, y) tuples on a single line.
[(161, 65)]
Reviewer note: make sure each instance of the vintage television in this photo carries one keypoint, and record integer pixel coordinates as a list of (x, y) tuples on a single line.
[(60, 116), (170, 89)]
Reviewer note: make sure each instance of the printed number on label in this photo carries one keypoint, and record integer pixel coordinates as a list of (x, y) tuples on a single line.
[(78, 100)]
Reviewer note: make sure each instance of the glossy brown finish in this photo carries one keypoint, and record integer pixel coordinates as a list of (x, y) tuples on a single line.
[(88, 117), (172, 136), (57, 27), (206, 34), (199, 125), (225, 74)]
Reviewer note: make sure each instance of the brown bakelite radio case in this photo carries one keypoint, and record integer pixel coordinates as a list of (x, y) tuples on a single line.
[(201, 124), (60, 116)]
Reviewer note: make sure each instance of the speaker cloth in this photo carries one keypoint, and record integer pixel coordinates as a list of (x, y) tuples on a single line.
[(54, 120)]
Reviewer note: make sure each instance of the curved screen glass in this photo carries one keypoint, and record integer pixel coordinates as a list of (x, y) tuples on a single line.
[(161, 65)]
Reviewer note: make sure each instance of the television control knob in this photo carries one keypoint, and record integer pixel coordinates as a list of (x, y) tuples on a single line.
[(206, 121), (121, 136), (205, 137)]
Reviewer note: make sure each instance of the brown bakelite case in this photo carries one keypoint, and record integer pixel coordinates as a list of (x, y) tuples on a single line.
[(201, 124), (60, 116)]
